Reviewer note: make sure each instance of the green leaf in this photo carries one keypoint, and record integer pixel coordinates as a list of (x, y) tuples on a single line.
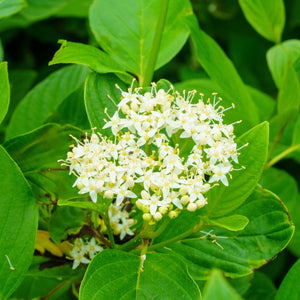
[(296, 133), (65, 221), (37, 153), (266, 17), (221, 70), (261, 287), (18, 225), (75, 8), (10, 7), (90, 205), (289, 93), (238, 253), (217, 288), (44, 98), (278, 57), (77, 53), (124, 29), (1, 51), (232, 223), (222, 199), (163, 277), (4, 90), (37, 10), (289, 288), (71, 111), (97, 89)]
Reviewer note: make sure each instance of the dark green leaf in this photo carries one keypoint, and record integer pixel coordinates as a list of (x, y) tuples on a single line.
[(76, 53), (44, 98), (124, 29), (37, 154), (97, 89), (4, 91), (217, 288), (65, 221), (221, 70), (266, 17), (278, 57), (75, 8), (238, 253), (261, 287), (18, 226), (289, 288), (163, 277)]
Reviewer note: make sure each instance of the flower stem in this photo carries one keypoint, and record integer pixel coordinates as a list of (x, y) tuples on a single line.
[(109, 230), (145, 79), (281, 156)]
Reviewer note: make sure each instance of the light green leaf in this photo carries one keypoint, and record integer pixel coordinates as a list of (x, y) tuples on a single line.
[(44, 98), (18, 226), (4, 90), (238, 253), (1, 51), (75, 8), (289, 93), (267, 17), (37, 154), (221, 70), (90, 205), (232, 223), (217, 288), (163, 277), (97, 89), (10, 7), (289, 288), (124, 29), (278, 57), (65, 221), (222, 199), (77, 53)]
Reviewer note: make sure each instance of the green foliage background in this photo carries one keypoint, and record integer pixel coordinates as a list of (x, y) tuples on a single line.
[(247, 51)]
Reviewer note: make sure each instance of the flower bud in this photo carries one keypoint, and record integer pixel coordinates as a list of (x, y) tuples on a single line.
[(108, 194), (80, 185), (185, 199), (173, 214), (98, 187), (95, 139), (139, 204), (125, 109), (200, 203), (145, 195), (147, 217), (134, 107), (192, 207), (163, 210), (130, 182), (183, 190), (157, 216)]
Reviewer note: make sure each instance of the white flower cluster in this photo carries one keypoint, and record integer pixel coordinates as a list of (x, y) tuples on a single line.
[(120, 221), (168, 151), (81, 251)]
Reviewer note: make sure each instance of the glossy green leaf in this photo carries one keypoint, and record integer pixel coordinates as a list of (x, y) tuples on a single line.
[(124, 29), (18, 226), (232, 223), (222, 199), (267, 17), (65, 221), (4, 90), (90, 205), (77, 53), (238, 253), (261, 287), (278, 57), (289, 93), (37, 154), (44, 98), (217, 288), (289, 288), (97, 89), (221, 70), (10, 7), (163, 277)]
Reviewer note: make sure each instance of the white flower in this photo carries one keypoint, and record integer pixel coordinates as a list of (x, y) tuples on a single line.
[(92, 248)]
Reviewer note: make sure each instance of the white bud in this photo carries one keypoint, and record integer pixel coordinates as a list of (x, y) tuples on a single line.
[(185, 199), (200, 203), (95, 139), (108, 194), (98, 187), (173, 214), (145, 195), (130, 182), (192, 207), (157, 216), (134, 107), (163, 210), (80, 185), (202, 139), (148, 107), (125, 109), (147, 217), (217, 135)]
